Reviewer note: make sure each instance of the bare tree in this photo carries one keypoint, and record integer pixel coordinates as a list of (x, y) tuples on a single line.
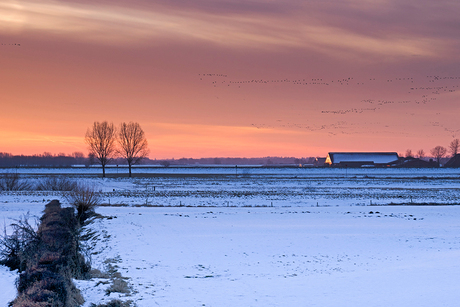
[(421, 154), (438, 152), (133, 144), (101, 141), (409, 153), (454, 146)]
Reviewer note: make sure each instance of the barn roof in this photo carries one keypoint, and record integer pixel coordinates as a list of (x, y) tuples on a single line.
[(454, 161), (370, 157)]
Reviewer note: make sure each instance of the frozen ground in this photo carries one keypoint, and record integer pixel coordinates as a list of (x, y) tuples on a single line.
[(336, 256), (259, 187), (317, 246)]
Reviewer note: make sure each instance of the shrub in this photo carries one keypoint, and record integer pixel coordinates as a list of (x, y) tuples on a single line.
[(56, 183), (10, 250), (20, 246), (85, 199), (12, 182)]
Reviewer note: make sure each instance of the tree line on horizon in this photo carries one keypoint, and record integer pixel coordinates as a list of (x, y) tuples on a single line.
[(127, 145), (438, 152), (80, 159)]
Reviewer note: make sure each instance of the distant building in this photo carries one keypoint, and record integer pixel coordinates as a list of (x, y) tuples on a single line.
[(360, 159), (416, 163), (453, 162)]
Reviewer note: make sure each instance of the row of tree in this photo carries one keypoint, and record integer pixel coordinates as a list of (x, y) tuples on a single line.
[(43, 160), (106, 142), (437, 152), (8, 160)]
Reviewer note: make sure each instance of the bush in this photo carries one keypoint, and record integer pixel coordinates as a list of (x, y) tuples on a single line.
[(10, 250), (85, 199), (56, 183), (11, 182), (19, 247)]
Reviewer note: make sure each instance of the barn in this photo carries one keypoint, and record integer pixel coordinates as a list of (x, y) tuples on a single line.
[(361, 159), (454, 161)]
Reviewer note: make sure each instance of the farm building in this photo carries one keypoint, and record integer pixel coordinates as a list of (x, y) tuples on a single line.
[(454, 161), (359, 159), (416, 163)]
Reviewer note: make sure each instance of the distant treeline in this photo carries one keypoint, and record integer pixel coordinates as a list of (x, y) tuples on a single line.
[(43, 160), (78, 158), (240, 161)]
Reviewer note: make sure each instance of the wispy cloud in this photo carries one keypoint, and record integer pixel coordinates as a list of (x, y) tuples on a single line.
[(86, 60), (310, 27)]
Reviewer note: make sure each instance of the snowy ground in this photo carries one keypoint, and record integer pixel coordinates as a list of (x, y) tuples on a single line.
[(317, 246), (260, 187)]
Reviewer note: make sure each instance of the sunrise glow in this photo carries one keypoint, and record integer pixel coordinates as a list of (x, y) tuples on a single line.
[(231, 78)]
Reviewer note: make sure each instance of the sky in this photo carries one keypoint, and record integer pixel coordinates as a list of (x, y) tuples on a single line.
[(236, 78)]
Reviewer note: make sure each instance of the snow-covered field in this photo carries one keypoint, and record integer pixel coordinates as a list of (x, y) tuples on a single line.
[(270, 240), (214, 186)]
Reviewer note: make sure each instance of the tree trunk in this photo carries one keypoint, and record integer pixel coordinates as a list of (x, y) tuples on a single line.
[(129, 166)]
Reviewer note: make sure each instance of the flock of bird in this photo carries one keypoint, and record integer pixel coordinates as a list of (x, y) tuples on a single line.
[(312, 127), (353, 110), (401, 90)]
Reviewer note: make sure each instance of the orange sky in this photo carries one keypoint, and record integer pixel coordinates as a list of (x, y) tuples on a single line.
[(231, 78)]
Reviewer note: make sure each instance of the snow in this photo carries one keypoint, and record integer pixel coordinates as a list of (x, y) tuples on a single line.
[(7, 279), (400, 256), (321, 244), (305, 172)]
